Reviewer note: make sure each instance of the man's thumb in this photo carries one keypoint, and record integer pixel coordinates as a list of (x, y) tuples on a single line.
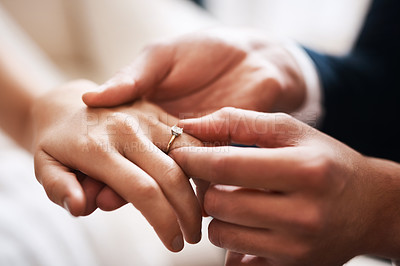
[(118, 90)]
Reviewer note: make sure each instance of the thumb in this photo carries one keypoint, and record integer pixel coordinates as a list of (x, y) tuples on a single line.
[(231, 125), (135, 80), (60, 183)]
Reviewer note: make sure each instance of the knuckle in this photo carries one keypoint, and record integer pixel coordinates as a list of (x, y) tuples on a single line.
[(285, 120), (92, 142), (146, 189), (120, 129), (269, 80), (317, 169), (226, 112), (172, 173), (124, 124), (285, 128), (97, 145)]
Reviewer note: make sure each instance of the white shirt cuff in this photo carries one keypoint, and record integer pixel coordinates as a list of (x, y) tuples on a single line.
[(311, 111)]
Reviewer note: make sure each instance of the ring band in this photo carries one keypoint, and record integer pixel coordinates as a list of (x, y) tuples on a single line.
[(176, 132)]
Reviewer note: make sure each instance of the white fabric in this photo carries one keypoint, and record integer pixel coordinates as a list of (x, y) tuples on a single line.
[(33, 231), (327, 25), (311, 112)]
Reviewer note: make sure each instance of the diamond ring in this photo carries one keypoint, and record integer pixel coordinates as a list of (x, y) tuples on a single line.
[(176, 132)]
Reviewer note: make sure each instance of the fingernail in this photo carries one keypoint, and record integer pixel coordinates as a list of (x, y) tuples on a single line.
[(177, 243), (197, 238), (66, 204)]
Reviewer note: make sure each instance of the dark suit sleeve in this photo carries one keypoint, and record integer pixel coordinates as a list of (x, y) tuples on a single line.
[(361, 90), (199, 2)]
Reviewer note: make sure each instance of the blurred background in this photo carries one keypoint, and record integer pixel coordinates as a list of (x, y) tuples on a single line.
[(68, 39), (94, 38)]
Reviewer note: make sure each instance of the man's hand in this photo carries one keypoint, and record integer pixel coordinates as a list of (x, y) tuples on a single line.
[(86, 158), (205, 71), (302, 198)]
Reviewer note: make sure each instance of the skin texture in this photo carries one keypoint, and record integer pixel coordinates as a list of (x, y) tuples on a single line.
[(302, 198), (88, 158), (202, 72)]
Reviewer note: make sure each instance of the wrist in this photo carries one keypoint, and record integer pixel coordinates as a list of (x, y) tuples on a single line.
[(282, 69), (384, 233), (53, 107), (28, 123), (293, 89)]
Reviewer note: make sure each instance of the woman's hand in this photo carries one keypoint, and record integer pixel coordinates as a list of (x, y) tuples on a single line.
[(302, 198), (117, 155), (205, 71)]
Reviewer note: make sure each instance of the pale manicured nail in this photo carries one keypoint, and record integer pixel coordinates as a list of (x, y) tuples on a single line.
[(177, 243), (66, 204)]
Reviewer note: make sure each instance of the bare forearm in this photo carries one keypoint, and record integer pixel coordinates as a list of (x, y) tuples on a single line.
[(16, 97), (19, 86)]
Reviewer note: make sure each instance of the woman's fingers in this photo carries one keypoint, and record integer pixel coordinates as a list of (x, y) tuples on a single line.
[(278, 169), (135, 80), (173, 182), (60, 184), (137, 187), (91, 188), (109, 200), (125, 178), (231, 125)]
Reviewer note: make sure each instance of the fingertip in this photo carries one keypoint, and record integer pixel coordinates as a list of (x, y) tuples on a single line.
[(111, 95), (177, 244), (91, 188), (192, 231), (98, 97), (89, 98), (195, 238), (75, 202)]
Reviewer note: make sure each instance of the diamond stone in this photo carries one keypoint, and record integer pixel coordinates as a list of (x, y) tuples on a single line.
[(176, 131)]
